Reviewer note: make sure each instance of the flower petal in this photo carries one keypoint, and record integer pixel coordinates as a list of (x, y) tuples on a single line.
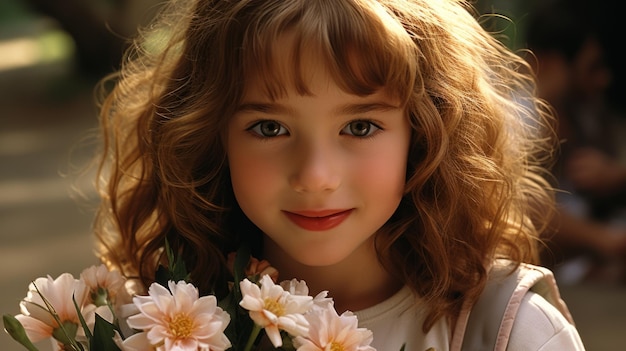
[(274, 335), (137, 342), (35, 329), (180, 319)]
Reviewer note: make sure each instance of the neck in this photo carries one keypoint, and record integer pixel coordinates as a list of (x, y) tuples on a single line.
[(356, 283)]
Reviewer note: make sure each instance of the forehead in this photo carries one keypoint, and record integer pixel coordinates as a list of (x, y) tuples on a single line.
[(287, 67), (361, 47), (293, 64)]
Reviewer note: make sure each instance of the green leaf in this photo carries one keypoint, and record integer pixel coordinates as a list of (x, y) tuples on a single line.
[(252, 337), (103, 333), (81, 318), (231, 306), (176, 269), (66, 334), (241, 324), (228, 304), (177, 266), (242, 258), (17, 332), (287, 342)]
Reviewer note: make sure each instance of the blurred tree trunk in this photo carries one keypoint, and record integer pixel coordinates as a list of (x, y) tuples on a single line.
[(100, 41)]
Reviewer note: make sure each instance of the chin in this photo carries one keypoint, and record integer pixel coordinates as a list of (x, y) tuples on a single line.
[(320, 258)]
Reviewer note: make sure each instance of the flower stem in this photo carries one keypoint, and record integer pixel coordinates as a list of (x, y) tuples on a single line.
[(253, 334), (17, 332)]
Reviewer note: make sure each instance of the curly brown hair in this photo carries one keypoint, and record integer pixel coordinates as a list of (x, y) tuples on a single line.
[(476, 185)]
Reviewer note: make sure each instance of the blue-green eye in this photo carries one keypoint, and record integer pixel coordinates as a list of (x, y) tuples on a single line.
[(360, 128), (268, 129)]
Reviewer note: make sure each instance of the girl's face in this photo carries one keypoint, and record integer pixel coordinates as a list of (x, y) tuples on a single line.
[(320, 173)]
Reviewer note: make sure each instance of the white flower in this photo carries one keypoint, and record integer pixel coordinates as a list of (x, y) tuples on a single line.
[(299, 287), (295, 287), (178, 320), (135, 342), (103, 285), (119, 341), (329, 331), (39, 322), (274, 309)]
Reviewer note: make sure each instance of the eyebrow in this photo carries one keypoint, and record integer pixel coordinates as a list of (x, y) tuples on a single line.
[(347, 109), (355, 109), (269, 108)]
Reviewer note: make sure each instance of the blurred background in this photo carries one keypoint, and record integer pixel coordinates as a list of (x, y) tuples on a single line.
[(52, 53)]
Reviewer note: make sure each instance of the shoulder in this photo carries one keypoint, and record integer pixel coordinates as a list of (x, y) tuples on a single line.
[(519, 309), (542, 320), (539, 325)]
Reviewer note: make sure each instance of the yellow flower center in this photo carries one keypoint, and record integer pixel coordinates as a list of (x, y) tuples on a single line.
[(181, 326), (335, 346), (274, 306)]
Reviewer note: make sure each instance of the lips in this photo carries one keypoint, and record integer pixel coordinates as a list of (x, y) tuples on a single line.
[(318, 220)]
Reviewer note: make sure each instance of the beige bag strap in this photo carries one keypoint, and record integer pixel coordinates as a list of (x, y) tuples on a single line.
[(488, 323)]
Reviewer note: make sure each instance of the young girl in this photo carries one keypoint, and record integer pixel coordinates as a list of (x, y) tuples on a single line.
[(379, 150)]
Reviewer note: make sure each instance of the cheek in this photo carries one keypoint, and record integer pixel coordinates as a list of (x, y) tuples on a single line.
[(389, 182), (385, 171), (252, 178)]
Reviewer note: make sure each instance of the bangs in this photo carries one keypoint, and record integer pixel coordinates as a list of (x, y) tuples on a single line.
[(361, 44)]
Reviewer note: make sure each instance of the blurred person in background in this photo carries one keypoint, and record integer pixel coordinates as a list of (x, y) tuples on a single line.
[(569, 59)]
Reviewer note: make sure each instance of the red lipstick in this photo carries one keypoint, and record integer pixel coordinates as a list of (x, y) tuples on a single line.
[(318, 220)]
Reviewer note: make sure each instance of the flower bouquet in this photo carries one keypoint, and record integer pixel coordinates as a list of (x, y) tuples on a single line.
[(94, 313)]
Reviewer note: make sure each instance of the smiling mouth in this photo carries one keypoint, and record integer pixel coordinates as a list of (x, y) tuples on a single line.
[(318, 220)]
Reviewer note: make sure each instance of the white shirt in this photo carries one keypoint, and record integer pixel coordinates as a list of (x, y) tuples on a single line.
[(398, 320)]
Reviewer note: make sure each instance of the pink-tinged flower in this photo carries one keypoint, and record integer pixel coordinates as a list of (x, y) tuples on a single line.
[(299, 287), (104, 285), (329, 331), (39, 322), (119, 341), (274, 309), (135, 342), (178, 320), (255, 268)]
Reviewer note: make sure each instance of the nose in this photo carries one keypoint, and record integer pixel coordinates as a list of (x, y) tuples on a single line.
[(316, 168)]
